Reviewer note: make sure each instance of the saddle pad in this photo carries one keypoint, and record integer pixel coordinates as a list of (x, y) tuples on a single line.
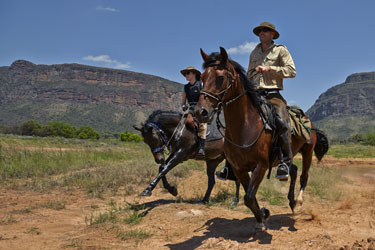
[(212, 133)]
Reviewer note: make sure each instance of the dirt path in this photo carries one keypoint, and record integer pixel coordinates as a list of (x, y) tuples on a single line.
[(59, 220)]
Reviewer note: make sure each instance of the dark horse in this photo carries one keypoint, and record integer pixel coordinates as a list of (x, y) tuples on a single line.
[(248, 146), (166, 129)]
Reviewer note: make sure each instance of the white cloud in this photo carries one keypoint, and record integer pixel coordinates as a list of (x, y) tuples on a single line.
[(107, 9), (242, 49), (107, 59)]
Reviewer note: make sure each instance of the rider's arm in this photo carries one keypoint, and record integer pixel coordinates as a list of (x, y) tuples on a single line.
[(286, 69)]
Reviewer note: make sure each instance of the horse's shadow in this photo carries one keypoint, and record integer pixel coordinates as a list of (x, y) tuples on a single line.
[(241, 231), (148, 206)]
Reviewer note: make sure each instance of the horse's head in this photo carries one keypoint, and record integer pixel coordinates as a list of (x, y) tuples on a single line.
[(154, 139), (218, 77)]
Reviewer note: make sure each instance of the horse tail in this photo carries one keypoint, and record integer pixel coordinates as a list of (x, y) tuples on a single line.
[(321, 146)]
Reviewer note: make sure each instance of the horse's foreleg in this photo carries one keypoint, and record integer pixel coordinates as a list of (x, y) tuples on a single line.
[(261, 215), (171, 189), (171, 162), (293, 177), (211, 167)]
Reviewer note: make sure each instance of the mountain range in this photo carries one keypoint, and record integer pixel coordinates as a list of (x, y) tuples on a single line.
[(111, 100), (105, 99)]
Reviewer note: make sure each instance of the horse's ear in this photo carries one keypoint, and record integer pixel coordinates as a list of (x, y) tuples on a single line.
[(204, 55), (223, 55), (137, 128)]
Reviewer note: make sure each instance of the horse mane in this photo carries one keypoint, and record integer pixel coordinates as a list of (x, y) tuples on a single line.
[(155, 116), (249, 85)]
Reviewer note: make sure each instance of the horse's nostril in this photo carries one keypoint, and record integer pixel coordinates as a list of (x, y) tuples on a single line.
[(204, 113)]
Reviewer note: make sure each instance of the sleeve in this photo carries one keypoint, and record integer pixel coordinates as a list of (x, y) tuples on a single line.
[(286, 68)]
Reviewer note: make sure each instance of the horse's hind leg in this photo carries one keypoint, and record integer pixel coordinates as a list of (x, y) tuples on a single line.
[(237, 198), (306, 163), (293, 177)]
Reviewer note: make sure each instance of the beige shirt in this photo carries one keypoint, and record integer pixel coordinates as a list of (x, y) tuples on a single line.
[(280, 62)]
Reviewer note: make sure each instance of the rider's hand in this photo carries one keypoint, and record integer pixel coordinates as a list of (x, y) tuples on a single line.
[(263, 69), (184, 107)]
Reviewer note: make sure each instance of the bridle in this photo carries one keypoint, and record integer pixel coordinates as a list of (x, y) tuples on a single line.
[(219, 97), (162, 136)]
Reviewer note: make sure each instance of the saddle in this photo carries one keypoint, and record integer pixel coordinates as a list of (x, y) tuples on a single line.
[(212, 133)]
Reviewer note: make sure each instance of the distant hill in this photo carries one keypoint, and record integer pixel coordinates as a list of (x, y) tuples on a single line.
[(105, 99), (347, 108)]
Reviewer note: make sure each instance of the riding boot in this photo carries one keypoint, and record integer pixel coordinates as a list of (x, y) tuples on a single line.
[(282, 171), (226, 173), (200, 151)]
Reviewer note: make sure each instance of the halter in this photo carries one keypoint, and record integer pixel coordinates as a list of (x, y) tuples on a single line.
[(164, 138)]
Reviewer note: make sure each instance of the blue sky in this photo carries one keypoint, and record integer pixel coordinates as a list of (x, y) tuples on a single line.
[(328, 40)]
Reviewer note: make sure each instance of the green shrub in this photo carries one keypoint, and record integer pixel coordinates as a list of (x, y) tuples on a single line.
[(129, 136), (86, 132), (61, 129), (29, 127)]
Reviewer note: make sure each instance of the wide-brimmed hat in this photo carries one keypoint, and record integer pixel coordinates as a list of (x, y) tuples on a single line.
[(192, 69), (266, 25)]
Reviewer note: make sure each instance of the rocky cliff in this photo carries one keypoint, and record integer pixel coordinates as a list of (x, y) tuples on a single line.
[(347, 108), (106, 99)]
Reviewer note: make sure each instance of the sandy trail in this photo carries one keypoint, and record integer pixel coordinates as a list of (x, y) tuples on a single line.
[(58, 220)]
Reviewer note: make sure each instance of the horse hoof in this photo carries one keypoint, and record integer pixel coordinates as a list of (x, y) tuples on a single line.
[(266, 213), (260, 227), (203, 202), (173, 191), (234, 203), (146, 192)]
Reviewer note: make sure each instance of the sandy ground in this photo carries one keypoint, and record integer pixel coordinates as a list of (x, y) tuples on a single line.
[(30, 220)]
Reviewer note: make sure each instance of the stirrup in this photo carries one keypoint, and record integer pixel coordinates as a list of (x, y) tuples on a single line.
[(282, 177), (222, 175), (199, 155)]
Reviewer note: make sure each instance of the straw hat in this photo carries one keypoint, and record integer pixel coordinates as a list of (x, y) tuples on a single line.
[(192, 69), (266, 25)]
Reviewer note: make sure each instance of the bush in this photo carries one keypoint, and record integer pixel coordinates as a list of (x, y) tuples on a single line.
[(129, 136), (365, 139), (44, 131), (62, 129), (29, 127), (86, 132)]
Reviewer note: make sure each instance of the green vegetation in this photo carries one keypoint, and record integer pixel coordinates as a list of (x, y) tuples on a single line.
[(111, 166), (129, 136), (351, 150)]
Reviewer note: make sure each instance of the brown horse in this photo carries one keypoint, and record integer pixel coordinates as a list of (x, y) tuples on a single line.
[(248, 146)]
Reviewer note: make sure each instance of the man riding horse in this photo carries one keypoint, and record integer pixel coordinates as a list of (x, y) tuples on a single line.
[(191, 94), (269, 64)]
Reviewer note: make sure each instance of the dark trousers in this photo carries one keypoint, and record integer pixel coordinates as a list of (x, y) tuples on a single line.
[(282, 124)]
